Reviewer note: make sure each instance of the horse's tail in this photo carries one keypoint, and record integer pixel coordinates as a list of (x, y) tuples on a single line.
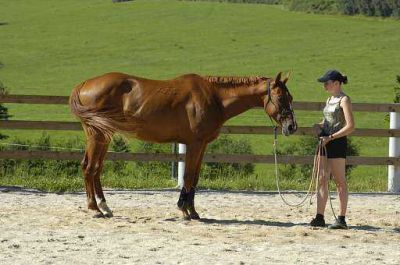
[(94, 121)]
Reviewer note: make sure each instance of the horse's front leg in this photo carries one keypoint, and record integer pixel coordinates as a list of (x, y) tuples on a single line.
[(194, 156), (192, 211)]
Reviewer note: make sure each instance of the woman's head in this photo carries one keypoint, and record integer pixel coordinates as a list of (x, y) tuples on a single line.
[(333, 81)]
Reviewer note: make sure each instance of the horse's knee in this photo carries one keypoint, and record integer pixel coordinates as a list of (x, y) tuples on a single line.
[(91, 169)]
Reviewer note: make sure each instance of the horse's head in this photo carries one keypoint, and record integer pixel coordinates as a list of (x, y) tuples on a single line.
[(278, 104)]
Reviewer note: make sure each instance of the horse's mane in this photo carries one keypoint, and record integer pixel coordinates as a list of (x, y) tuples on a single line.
[(234, 80)]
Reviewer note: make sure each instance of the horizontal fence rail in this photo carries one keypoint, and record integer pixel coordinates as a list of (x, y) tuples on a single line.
[(76, 126), (236, 158), (63, 100), (141, 157)]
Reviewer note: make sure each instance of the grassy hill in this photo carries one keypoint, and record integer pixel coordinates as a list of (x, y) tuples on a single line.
[(47, 47)]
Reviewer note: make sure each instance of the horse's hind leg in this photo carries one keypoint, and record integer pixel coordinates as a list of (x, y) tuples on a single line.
[(97, 184), (96, 146)]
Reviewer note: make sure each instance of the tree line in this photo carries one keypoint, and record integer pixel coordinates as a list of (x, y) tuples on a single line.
[(378, 8)]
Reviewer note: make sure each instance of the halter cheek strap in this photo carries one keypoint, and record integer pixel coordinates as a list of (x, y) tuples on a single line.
[(269, 100)]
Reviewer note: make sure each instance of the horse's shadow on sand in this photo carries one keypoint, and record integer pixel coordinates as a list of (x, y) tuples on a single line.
[(243, 222), (249, 222), (368, 228)]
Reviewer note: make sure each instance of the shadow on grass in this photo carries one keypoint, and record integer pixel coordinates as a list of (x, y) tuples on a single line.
[(3, 23)]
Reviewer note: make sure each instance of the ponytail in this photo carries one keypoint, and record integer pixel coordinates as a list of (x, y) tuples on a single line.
[(343, 79)]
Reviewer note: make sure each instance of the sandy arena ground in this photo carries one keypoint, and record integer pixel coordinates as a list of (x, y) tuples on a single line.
[(237, 228)]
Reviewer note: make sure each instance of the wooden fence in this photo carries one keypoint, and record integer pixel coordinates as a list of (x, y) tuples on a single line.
[(310, 106)]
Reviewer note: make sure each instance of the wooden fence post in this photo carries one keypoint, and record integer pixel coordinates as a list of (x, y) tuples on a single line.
[(394, 151)]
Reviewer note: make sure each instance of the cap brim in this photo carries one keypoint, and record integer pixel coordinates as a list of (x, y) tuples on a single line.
[(323, 79)]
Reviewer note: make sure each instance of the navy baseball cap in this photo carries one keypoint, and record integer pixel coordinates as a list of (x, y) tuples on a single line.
[(333, 75)]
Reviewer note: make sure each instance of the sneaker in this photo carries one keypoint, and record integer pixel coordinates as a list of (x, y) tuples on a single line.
[(338, 224), (317, 222)]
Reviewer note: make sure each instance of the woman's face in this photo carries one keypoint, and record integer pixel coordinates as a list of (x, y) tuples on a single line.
[(332, 86)]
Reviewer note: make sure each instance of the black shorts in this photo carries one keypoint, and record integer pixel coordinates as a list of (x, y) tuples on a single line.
[(337, 148)]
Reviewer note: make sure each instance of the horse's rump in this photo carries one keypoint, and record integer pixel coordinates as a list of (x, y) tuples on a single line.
[(99, 120)]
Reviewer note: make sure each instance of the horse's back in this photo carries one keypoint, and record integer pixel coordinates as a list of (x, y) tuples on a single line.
[(104, 90)]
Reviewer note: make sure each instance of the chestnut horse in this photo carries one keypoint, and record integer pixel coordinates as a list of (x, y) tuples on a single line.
[(189, 109)]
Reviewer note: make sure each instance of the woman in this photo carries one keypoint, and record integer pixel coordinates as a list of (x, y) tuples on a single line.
[(337, 124)]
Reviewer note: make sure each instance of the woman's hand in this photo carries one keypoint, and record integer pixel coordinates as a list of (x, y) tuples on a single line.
[(325, 140)]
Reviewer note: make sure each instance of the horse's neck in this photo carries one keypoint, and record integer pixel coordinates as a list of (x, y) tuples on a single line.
[(238, 99)]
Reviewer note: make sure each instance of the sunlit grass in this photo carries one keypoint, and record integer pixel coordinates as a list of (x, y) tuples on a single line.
[(46, 50)]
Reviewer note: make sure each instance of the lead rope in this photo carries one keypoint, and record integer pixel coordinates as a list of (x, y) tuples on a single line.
[(320, 161), (309, 192)]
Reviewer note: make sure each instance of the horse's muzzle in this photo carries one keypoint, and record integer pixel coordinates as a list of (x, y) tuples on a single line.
[(289, 126)]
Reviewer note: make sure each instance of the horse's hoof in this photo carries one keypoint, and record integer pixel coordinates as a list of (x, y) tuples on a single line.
[(108, 215), (105, 210), (98, 215), (181, 204), (185, 215), (194, 216)]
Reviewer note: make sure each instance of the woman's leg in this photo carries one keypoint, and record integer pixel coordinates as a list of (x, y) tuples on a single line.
[(323, 179), (338, 169)]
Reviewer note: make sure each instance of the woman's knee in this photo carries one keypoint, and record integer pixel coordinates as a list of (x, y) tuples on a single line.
[(340, 182), (323, 182)]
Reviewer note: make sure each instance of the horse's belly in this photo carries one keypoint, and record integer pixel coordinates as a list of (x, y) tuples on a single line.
[(159, 132), (153, 137)]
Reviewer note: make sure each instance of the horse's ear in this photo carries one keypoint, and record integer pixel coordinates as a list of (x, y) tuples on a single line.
[(278, 77), (287, 77)]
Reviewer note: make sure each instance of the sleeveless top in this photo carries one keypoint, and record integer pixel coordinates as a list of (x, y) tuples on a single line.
[(333, 116)]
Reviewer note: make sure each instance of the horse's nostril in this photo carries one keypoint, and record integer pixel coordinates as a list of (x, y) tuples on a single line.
[(290, 127)]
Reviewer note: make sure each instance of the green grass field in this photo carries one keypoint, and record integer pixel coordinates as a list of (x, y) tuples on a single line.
[(46, 47)]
